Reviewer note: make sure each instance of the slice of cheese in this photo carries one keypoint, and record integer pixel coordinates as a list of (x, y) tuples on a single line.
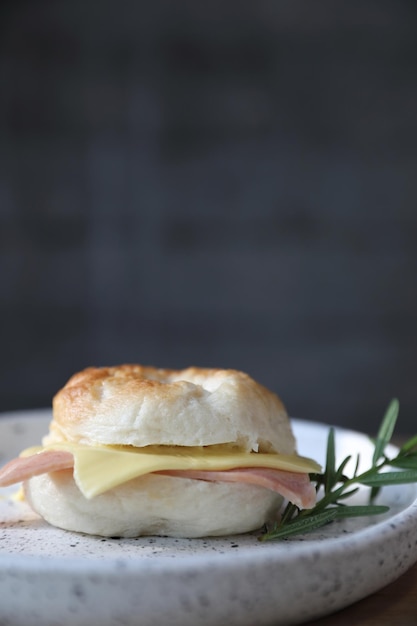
[(98, 469)]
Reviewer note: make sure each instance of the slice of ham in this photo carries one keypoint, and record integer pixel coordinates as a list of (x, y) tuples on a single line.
[(295, 487), (23, 468)]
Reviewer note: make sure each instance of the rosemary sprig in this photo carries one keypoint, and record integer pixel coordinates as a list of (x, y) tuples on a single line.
[(335, 487)]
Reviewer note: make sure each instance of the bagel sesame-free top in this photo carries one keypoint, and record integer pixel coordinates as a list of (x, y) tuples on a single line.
[(139, 406)]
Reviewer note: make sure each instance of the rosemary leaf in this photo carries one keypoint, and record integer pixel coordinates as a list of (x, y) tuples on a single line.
[(330, 470), (374, 493), (404, 462), (346, 494), (301, 525), (388, 478), (409, 446), (358, 458), (339, 476), (386, 429), (361, 510)]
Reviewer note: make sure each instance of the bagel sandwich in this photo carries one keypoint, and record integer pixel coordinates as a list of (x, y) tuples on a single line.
[(136, 450)]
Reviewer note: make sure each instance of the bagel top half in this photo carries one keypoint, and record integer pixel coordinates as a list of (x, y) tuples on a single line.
[(140, 406)]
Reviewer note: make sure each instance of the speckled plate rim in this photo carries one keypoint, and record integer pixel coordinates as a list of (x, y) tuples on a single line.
[(397, 533)]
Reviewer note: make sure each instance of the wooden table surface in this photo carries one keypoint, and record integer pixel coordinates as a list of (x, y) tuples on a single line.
[(394, 605)]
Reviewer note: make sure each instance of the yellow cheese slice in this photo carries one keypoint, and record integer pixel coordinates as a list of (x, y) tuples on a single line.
[(98, 469)]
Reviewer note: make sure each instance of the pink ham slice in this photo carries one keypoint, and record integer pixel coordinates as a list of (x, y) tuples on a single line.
[(296, 487), (22, 468)]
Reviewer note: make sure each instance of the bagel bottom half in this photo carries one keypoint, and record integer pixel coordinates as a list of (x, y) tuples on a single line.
[(153, 505)]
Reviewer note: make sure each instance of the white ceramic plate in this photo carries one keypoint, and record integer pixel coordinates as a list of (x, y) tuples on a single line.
[(49, 576)]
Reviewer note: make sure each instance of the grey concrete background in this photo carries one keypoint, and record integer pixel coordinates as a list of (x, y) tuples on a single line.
[(220, 184)]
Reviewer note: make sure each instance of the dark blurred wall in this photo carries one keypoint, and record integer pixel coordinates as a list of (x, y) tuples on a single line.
[(221, 184)]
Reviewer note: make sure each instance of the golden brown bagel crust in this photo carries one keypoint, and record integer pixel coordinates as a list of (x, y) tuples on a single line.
[(141, 405)]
